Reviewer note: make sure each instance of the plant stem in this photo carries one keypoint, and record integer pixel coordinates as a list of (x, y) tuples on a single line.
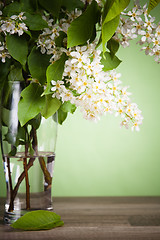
[(35, 141), (26, 178), (10, 181), (20, 179), (47, 176)]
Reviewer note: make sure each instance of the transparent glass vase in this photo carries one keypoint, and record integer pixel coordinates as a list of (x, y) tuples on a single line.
[(28, 155)]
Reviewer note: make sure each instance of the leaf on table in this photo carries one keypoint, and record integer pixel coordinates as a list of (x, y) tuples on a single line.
[(38, 220)]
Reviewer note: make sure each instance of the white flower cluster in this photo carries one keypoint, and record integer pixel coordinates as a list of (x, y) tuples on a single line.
[(84, 82), (47, 40), (139, 23), (14, 24), (100, 2), (3, 52), (96, 92)]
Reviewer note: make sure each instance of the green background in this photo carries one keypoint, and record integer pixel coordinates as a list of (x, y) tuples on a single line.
[(102, 159)]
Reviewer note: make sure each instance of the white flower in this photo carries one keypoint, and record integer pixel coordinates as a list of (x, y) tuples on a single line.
[(7, 27), (135, 14), (149, 23), (21, 17), (157, 34), (3, 56), (135, 127), (139, 27), (56, 85), (147, 36), (156, 53), (147, 49), (21, 28), (125, 93), (14, 25), (66, 95), (156, 42), (14, 17), (4, 52)]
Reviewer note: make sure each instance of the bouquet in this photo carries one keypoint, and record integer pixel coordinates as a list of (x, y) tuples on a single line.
[(63, 52)]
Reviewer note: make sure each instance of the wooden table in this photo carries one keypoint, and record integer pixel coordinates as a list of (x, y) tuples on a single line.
[(90, 218)]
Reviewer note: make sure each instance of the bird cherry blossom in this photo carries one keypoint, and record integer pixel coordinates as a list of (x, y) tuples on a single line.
[(138, 23)]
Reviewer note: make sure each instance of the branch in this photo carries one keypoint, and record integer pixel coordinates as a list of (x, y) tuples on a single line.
[(20, 179), (47, 176)]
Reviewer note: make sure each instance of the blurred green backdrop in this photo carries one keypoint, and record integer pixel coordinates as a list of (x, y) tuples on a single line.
[(101, 159)]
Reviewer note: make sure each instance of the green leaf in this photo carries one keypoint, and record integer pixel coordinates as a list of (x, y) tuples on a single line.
[(110, 22), (72, 4), (109, 62), (17, 47), (13, 151), (38, 64), (28, 5), (38, 220), (31, 103), (61, 116), (68, 107), (5, 68), (22, 6), (51, 6), (108, 29), (59, 40), (35, 22), (113, 46), (113, 9), (55, 72), (12, 9), (5, 116), (15, 74), (10, 137), (152, 4), (51, 106), (21, 133), (36, 121), (81, 29)]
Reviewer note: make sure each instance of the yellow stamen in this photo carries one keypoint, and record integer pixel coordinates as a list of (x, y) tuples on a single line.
[(120, 110)]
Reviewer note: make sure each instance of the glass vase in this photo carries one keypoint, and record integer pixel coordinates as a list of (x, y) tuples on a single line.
[(28, 155)]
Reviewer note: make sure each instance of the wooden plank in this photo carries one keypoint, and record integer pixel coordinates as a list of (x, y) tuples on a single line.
[(119, 218)]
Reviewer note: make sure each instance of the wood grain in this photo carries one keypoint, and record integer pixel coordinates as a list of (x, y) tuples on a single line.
[(90, 218)]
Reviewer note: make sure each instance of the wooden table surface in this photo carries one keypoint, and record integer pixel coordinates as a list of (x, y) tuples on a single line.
[(90, 218)]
